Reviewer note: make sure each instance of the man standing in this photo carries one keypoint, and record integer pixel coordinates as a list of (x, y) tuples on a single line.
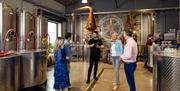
[(149, 43), (129, 58), (67, 46), (95, 45)]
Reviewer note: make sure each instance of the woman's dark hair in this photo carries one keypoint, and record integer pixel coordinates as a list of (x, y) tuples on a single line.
[(60, 38), (67, 35), (129, 32), (150, 35), (96, 32)]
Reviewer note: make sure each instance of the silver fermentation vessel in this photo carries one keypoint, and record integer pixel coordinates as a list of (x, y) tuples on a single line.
[(26, 30), (166, 72), (10, 73), (7, 24), (33, 68)]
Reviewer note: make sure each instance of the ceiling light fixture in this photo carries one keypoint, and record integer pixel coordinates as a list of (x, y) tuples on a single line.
[(84, 1)]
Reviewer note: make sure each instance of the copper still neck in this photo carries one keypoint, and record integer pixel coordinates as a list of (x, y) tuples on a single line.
[(129, 22), (91, 24)]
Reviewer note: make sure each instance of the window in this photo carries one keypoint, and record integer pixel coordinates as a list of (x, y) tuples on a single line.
[(59, 30), (52, 31)]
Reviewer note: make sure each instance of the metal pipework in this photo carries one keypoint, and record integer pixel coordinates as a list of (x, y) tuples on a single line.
[(91, 24), (44, 38), (28, 38), (7, 36)]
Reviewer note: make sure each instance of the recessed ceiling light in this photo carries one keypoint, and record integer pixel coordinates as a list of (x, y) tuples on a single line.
[(84, 1)]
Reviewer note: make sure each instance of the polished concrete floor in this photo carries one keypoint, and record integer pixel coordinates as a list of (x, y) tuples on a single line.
[(78, 75)]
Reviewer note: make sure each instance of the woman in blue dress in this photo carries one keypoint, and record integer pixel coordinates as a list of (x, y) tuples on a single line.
[(61, 72)]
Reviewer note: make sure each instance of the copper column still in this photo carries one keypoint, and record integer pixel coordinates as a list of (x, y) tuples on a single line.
[(128, 24), (90, 25)]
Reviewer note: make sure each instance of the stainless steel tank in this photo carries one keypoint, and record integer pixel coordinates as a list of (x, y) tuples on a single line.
[(42, 31), (7, 22), (33, 68), (166, 72), (26, 30), (151, 50), (10, 73), (150, 56)]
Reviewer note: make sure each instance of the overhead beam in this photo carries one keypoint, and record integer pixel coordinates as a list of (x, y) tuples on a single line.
[(61, 2), (46, 8), (116, 2), (126, 11)]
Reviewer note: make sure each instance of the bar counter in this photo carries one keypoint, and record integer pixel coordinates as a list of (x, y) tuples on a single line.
[(166, 71), (23, 69)]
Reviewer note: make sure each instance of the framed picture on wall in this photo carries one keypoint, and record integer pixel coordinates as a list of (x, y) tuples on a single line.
[(178, 37)]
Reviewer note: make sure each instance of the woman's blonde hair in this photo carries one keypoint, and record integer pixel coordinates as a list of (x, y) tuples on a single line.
[(59, 43)]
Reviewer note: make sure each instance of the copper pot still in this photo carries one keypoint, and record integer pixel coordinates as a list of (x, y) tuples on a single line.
[(90, 21), (91, 24), (129, 24)]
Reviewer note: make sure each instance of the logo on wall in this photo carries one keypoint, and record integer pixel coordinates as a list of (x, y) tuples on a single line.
[(110, 24)]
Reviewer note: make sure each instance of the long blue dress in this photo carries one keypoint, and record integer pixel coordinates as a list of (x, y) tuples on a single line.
[(61, 72)]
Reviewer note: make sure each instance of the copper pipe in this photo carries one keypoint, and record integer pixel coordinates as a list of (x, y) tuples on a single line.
[(45, 36), (27, 36), (123, 39), (73, 26), (110, 27), (34, 28), (17, 38)]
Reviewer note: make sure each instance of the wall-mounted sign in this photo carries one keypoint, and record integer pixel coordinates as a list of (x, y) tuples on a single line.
[(110, 24), (178, 37)]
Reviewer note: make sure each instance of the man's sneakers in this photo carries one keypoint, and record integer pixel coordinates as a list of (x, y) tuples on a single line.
[(87, 82), (95, 79)]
